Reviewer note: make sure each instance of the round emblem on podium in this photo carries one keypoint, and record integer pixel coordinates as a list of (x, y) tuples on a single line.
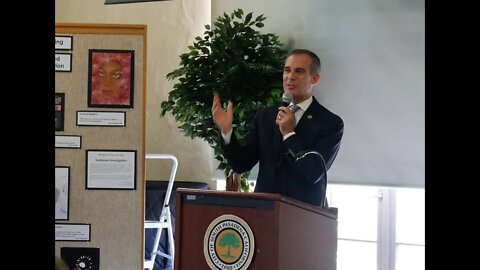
[(228, 244)]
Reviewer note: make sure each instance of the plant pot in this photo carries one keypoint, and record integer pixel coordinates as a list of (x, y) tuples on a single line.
[(233, 183)]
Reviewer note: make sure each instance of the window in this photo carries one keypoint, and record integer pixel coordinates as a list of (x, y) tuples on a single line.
[(357, 229), (379, 228), (410, 229)]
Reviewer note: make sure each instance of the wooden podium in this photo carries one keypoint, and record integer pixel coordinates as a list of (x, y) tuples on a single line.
[(288, 234)]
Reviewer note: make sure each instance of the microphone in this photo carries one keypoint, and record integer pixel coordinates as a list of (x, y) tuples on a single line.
[(286, 98), (302, 154), (297, 156)]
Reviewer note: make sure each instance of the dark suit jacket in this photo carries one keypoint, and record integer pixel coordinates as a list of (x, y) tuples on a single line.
[(305, 180)]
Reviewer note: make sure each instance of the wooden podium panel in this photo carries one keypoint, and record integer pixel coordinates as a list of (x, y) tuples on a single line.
[(288, 234)]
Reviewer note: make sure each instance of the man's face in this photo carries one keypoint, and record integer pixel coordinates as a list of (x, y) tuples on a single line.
[(297, 78)]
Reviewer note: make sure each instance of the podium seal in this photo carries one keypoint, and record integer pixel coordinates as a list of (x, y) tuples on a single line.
[(228, 244)]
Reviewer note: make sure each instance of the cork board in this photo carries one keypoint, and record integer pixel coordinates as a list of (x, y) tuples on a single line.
[(116, 216)]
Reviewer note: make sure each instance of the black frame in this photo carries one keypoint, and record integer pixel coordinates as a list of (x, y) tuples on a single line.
[(59, 111), (69, 136), (81, 257), (100, 112), (62, 49), (70, 224), (98, 104), (67, 193), (134, 187), (69, 67)]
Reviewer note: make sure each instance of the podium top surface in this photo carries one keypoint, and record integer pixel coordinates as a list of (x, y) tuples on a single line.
[(332, 213)]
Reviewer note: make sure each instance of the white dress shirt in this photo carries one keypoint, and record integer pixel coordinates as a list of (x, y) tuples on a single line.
[(299, 113), (303, 106)]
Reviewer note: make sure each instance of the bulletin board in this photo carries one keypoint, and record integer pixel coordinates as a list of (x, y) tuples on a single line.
[(100, 142)]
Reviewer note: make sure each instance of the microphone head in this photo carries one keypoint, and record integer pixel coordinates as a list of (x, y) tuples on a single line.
[(286, 98)]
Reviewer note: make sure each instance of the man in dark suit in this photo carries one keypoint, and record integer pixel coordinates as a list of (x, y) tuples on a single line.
[(294, 148)]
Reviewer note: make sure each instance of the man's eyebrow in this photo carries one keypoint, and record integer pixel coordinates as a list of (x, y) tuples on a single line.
[(300, 69), (295, 69)]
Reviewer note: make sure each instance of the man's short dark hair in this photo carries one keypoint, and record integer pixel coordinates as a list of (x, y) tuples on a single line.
[(316, 64)]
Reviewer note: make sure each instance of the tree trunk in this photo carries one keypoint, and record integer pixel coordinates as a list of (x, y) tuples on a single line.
[(233, 182)]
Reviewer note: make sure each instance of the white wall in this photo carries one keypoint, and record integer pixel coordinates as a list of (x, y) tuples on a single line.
[(172, 26), (373, 76)]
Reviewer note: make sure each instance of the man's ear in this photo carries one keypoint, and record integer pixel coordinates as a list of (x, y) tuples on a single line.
[(315, 79)]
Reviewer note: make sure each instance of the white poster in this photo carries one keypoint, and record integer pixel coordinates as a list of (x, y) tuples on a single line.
[(63, 43), (67, 141), (63, 62), (72, 232), (96, 118), (111, 169)]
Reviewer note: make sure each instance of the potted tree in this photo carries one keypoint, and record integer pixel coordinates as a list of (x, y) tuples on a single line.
[(237, 62)]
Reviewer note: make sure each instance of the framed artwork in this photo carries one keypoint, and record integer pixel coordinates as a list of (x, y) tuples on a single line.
[(110, 78), (59, 111), (78, 258), (111, 169), (62, 194)]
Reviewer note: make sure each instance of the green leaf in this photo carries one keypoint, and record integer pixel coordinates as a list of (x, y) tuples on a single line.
[(194, 53), (248, 18), (222, 166), (234, 61), (237, 14)]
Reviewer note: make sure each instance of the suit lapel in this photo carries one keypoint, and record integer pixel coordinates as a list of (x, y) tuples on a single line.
[(311, 115)]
